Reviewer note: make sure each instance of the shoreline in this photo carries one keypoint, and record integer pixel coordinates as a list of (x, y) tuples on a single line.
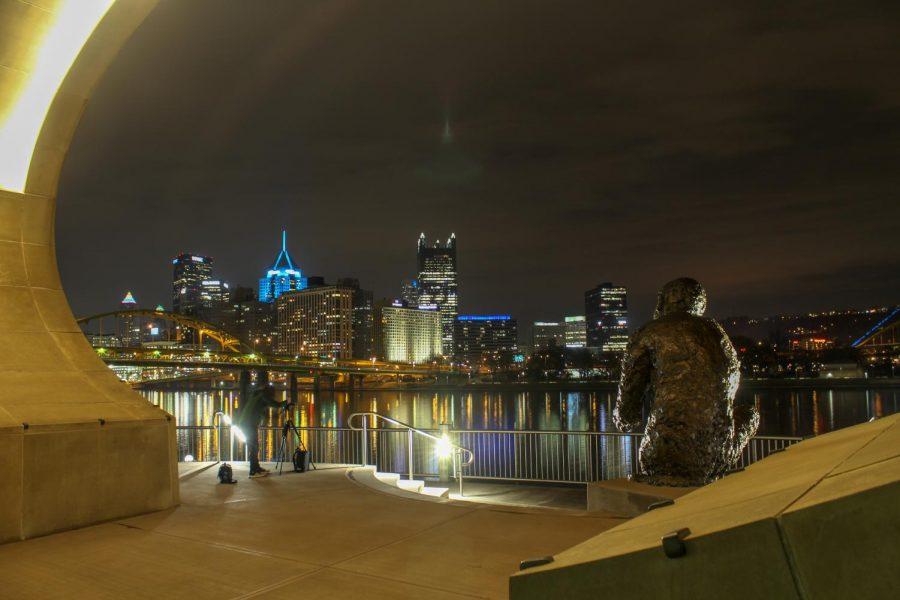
[(587, 386)]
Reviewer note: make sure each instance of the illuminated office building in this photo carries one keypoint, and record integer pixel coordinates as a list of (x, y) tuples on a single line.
[(283, 276), (546, 334), (409, 292), (363, 333), (485, 336), (406, 334), (214, 300), (188, 274), (251, 320), (131, 328), (437, 282), (576, 332), (606, 315), (316, 322), (104, 340)]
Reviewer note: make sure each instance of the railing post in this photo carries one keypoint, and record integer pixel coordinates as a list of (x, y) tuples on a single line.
[(457, 456), (365, 442), (410, 432)]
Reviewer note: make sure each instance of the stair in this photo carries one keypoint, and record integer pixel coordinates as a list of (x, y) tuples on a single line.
[(411, 485), (437, 492), (401, 486), (388, 478)]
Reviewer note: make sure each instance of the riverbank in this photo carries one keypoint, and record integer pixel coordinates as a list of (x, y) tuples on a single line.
[(588, 386), (556, 386)]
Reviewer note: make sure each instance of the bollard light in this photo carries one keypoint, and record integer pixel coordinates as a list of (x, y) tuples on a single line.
[(189, 458), (443, 447)]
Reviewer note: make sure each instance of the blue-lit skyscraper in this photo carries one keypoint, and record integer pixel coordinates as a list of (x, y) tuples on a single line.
[(282, 277)]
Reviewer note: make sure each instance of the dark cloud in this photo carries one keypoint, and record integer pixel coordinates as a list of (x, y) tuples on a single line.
[(751, 145)]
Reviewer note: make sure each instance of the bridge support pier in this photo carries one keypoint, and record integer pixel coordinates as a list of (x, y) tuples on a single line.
[(355, 381), (323, 380), (292, 389)]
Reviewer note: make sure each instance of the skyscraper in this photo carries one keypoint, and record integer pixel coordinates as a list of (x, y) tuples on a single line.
[(409, 292), (606, 315), (282, 277), (316, 322), (131, 329), (485, 336), (438, 283), (362, 319), (189, 273), (404, 334), (545, 334), (214, 301), (576, 332), (251, 320)]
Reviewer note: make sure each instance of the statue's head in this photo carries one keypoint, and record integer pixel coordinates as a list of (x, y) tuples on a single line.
[(682, 295)]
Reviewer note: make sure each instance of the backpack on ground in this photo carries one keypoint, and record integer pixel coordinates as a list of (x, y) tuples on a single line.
[(226, 475), (301, 461)]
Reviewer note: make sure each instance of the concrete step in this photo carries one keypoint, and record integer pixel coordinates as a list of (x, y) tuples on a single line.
[(437, 492), (388, 478), (411, 485)]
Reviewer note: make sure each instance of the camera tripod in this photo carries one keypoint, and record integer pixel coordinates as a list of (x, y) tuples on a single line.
[(281, 456)]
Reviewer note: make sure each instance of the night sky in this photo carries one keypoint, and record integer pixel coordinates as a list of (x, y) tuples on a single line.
[(754, 146)]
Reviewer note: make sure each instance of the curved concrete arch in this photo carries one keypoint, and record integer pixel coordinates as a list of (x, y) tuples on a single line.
[(76, 445)]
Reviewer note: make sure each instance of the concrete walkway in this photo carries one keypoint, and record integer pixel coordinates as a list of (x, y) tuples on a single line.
[(313, 535)]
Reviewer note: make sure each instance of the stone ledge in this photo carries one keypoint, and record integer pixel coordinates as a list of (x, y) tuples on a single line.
[(629, 498), (791, 525)]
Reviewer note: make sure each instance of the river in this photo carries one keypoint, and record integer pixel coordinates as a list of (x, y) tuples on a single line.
[(808, 410)]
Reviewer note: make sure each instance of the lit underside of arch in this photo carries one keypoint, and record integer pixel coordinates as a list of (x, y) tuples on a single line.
[(54, 52)]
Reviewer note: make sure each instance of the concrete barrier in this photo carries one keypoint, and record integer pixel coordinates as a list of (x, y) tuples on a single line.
[(819, 520)]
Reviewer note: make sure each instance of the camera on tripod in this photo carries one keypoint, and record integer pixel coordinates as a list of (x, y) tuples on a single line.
[(300, 459)]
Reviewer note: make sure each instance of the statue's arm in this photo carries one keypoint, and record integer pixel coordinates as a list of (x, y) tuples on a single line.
[(636, 370)]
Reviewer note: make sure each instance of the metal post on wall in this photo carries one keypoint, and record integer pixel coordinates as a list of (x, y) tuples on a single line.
[(365, 442), (410, 432), (244, 396)]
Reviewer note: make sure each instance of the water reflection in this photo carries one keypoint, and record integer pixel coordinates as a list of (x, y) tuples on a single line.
[(782, 411)]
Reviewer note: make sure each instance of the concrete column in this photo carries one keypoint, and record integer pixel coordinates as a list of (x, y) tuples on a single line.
[(58, 400)]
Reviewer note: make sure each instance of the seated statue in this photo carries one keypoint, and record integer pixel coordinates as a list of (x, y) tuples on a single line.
[(682, 369)]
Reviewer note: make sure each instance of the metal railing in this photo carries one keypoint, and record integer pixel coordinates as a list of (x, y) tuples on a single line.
[(462, 457), (532, 456)]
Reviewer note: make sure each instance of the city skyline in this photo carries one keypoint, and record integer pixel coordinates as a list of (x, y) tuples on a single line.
[(397, 294), (630, 158)]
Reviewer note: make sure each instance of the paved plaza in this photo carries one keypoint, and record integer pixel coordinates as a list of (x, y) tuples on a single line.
[(313, 535)]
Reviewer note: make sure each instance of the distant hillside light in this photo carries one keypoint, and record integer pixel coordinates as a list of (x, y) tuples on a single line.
[(52, 58)]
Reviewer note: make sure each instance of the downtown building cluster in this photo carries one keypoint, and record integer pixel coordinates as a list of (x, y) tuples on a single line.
[(602, 329), (292, 314)]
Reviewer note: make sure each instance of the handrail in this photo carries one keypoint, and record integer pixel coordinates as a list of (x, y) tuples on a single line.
[(457, 450)]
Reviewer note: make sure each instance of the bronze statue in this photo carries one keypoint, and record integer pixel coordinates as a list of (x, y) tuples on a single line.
[(682, 369)]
